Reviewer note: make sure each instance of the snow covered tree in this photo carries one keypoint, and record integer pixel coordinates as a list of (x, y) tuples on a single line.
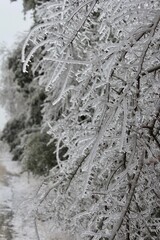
[(100, 65)]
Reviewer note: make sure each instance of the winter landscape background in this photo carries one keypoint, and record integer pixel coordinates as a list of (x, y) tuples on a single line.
[(80, 151)]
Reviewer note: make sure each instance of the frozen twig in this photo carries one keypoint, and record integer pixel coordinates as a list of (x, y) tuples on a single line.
[(129, 198)]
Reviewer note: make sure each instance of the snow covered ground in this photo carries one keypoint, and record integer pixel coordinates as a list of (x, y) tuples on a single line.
[(16, 193), (18, 204)]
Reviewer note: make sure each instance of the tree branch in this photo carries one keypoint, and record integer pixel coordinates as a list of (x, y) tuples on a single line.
[(151, 69), (129, 198)]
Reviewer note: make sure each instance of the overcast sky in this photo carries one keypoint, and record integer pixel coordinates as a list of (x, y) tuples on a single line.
[(12, 24)]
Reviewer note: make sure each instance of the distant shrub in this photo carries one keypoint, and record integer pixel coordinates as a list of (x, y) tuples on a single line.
[(36, 107), (39, 157), (11, 131), (17, 153)]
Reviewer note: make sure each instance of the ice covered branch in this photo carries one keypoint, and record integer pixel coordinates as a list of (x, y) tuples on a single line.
[(129, 197)]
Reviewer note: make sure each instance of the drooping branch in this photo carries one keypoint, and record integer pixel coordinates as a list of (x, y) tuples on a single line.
[(77, 9), (69, 61), (145, 49), (36, 229), (129, 198), (79, 27)]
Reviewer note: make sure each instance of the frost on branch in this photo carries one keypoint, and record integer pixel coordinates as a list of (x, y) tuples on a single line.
[(100, 65)]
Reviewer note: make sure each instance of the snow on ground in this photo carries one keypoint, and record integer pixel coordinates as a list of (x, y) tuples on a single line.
[(23, 207), (17, 192), (18, 204)]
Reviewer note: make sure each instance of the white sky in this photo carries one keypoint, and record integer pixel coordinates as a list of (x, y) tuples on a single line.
[(12, 23)]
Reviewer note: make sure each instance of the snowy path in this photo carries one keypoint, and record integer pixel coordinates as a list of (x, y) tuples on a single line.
[(16, 194), (6, 195), (5, 206), (18, 203)]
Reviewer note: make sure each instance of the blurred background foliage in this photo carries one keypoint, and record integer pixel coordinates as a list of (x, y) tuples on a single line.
[(30, 4), (39, 156), (23, 99)]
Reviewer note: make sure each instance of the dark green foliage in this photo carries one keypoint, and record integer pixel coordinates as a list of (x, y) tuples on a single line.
[(30, 4), (11, 131), (39, 157), (22, 133), (30, 101), (15, 64), (27, 4), (35, 108), (17, 153)]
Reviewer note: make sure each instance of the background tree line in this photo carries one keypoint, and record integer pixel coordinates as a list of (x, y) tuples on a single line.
[(23, 100), (98, 62)]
